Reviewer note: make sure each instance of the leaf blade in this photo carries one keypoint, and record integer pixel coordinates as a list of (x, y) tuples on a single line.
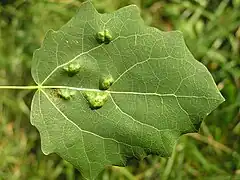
[(160, 91)]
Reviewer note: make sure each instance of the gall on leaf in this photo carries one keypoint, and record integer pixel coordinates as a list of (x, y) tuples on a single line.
[(105, 82), (96, 99), (72, 69), (104, 37), (66, 94)]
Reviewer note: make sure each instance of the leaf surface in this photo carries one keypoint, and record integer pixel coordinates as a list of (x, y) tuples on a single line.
[(159, 90)]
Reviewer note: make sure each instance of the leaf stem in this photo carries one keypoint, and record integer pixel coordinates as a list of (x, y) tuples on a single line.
[(19, 87)]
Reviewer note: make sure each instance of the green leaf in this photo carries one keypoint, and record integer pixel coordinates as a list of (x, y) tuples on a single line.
[(152, 90)]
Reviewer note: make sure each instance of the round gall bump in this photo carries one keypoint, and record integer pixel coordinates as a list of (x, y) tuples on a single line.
[(96, 99), (66, 94), (100, 37), (104, 37), (72, 69), (105, 82), (108, 37)]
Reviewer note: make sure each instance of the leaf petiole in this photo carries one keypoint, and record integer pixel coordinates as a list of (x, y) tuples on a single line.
[(19, 87)]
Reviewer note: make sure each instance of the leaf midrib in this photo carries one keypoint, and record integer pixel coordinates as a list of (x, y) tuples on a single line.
[(126, 92)]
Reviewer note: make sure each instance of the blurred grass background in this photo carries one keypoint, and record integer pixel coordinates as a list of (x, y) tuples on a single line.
[(212, 32)]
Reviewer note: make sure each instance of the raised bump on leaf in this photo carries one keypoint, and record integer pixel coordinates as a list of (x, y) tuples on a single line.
[(108, 37), (100, 37), (72, 69), (96, 99), (66, 94), (104, 37), (105, 82)]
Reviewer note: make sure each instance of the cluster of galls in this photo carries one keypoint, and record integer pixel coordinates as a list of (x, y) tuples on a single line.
[(104, 37), (96, 99)]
